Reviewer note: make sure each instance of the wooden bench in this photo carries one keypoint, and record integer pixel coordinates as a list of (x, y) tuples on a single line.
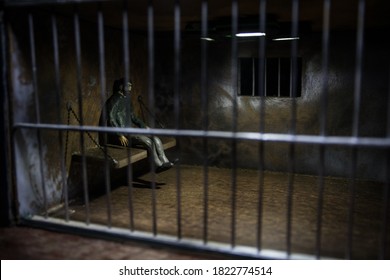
[(119, 156)]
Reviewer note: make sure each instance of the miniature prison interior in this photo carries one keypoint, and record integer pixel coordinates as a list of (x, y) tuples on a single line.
[(277, 111)]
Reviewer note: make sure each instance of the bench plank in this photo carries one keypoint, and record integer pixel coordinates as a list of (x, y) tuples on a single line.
[(119, 156)]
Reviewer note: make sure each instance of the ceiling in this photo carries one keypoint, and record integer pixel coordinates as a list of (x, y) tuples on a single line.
[(343, 13)]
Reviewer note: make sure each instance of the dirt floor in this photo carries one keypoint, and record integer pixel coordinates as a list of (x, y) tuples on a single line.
[(132, 207)]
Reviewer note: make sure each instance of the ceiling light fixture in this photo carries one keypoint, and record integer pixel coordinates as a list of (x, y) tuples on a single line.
[(250, 34), (286, 39), (207, 39)]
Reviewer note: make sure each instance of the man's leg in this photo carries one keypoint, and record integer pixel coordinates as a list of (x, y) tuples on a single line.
[(160, 149), (149, 145)]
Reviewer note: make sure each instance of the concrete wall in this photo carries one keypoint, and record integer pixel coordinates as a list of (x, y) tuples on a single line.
[(30, 160), (277, 116)]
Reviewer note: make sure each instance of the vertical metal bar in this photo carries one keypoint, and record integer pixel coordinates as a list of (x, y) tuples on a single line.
[(37, 108), (355, 128), (358, 68), (102, 72), (265, 76), (261, 89), (234, 120), (383, 251), (59, 105), (323, 121), (177, 70), (351, 204), (279, 77), (150, 12), (204, 94), (386, 190), (325, 66), (205, 109), (291, 152), (76, 22), (320, 201), (126, 61), (253, 76), (291, 79), (6, 205)]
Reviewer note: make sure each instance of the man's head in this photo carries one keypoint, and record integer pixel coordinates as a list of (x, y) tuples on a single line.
[(120, 88)]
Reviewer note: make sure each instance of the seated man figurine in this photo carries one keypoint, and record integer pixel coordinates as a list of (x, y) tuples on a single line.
[(120, 114)]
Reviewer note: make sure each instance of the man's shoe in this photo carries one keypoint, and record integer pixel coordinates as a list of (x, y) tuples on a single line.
[(164, 167)]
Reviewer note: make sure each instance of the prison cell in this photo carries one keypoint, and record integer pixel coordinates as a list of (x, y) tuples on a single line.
[(278, 114)]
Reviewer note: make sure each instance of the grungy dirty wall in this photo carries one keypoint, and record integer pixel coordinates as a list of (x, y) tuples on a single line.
[(38, 167), (277, 119)]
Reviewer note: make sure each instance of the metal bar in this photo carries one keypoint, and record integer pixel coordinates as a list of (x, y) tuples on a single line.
[(37, 108), (76, 22), (7, 206), (325, 66), (59, 105), (115, 233), (290, 193), (265, 76), (11, 3), (102, 72), (261, 94), (253, 76), (126, 61), (383, 253), (358, 68), (372, 142), (150, 14), (291, 152), (204, 95), (323, 122), (234, 58), (279, 76), (351, 205), (355, 123), (177, 78)]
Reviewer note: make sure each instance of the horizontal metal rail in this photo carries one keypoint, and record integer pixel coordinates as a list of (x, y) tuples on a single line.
[(353, 141), (45, 2), (114, 233)]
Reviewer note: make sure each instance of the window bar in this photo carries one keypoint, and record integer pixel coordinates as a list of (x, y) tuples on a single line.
[(37, 108), (58, 100), (355, 128), (204, 87), (150, 14), (77, 38), (177, 70), (323, 121), (261, 89), (102, 69), (234, 120), (291, 152), (126, 61)]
